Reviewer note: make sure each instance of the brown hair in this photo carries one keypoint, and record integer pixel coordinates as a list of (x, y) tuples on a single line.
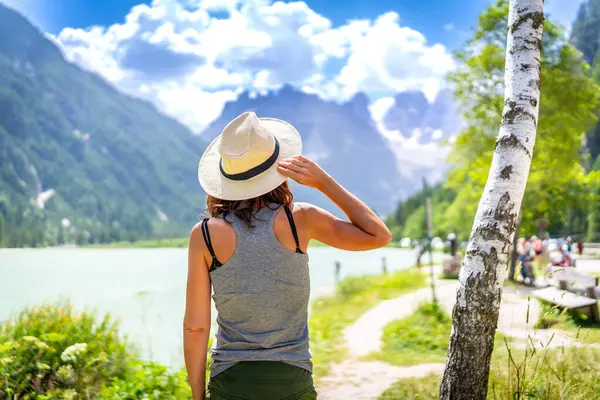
[(245, 209)]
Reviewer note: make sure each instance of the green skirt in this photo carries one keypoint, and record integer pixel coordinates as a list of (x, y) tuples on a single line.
[(262, 380)]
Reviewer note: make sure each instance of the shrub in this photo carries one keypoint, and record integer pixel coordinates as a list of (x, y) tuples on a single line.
[(148, 381), (51, 352)]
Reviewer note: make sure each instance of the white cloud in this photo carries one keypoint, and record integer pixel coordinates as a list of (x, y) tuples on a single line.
[(449, 27), (415, 158), (186, 60), (380, 107), (388, 58)]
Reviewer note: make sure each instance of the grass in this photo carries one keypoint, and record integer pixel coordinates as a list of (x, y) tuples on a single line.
[(549, 374), (414, 388), (353, 297), (161, 243), (578, 325), (452, 277), (417, 339), (153, 243), (530, 373)]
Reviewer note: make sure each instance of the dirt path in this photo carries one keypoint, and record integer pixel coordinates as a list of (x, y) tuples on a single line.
[(367, 380), (364, 335)]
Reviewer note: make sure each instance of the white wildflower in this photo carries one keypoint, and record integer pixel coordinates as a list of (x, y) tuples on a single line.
[(65, 374), (71, 352)]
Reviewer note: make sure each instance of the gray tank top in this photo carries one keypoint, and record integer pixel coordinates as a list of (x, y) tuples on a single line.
[(261, 294)]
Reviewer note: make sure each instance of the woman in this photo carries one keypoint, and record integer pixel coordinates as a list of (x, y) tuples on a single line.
[(525, 258), (252, 251)]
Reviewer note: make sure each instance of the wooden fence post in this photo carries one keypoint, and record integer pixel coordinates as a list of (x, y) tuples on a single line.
[(591, 293)]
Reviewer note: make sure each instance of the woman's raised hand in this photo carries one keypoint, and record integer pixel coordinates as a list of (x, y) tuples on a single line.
[(304, 171)]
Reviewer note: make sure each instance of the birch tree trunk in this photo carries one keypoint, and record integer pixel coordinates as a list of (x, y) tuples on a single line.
[(479, 292)]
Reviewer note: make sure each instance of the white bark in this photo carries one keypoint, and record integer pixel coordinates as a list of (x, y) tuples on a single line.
[(479, 292)]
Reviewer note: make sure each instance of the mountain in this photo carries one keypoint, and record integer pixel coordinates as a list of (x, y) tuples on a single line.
[(586, 27), (586, 38), (407, 112), (342, 138), (80, 160), (412, 114)]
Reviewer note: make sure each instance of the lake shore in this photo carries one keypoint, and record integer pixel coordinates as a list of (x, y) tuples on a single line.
[(161, 243)]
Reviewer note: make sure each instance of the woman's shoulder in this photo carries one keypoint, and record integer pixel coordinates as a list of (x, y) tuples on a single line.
[(303, 209), (216, 226), (310, 214)]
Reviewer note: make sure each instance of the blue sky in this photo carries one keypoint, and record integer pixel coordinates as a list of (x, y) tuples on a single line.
[(431, 17), (186, 55)]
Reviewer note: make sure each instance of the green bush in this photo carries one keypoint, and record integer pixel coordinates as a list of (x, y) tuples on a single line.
[(148, 381), (51, 352)]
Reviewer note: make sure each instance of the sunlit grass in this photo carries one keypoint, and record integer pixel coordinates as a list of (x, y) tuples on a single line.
[(536, 373), (160, 243), (154, 243), (549, 374), (419, 338), (576, 324)]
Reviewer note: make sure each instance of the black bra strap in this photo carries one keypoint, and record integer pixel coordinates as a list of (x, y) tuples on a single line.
[(290, 218), (206, 236)]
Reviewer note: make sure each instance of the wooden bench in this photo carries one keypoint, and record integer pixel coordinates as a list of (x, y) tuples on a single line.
[(572, 289)]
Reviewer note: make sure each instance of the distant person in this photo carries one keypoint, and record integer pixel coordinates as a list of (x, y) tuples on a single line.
[(580, 247), (560, 242), (569, 243), (522, 250), (565, 259), (546, 242), (384, 265), (526, 254), (338, 269), (251, 254), (453, 244), (538, 249)]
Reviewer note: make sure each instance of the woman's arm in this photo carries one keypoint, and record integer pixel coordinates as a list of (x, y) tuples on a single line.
[(196, 323), (365, 231)]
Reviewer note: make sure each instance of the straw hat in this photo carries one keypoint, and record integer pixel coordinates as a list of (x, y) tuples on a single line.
[(241, 163)]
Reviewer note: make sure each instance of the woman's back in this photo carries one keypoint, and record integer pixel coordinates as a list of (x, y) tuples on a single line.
[(258, 276), (261, 294)]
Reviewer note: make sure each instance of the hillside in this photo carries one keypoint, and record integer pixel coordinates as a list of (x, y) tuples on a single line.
[(585, 36), (81, 161)]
